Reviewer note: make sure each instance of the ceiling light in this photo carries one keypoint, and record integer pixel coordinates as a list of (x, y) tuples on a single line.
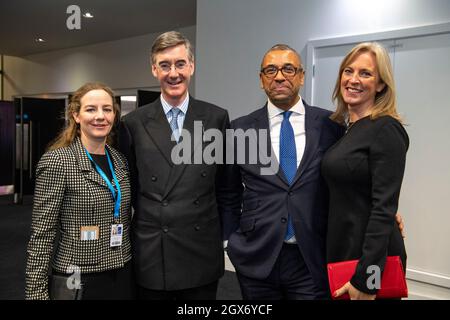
[(88, 15), (39, 40)]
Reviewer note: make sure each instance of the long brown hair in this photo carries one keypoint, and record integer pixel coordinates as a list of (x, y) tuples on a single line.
[(72, 129), (385, 101)]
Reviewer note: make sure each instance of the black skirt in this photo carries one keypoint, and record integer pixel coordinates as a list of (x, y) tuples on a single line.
[(116, 284)]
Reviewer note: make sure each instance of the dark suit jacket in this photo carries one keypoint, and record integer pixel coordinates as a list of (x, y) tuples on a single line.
[(176, 231), (257, 205), (364, 173)]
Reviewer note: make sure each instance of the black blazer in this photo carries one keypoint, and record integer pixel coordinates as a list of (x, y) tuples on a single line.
[(364, 172), (176, 231), (257, 205)]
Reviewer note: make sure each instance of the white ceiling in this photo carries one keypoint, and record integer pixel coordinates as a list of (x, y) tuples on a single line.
[(22, 21)]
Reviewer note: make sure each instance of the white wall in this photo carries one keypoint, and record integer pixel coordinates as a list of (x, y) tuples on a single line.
[(233, 35), (120, 64)]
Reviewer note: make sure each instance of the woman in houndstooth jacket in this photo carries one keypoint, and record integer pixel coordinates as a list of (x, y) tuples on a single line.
[(83, 194)]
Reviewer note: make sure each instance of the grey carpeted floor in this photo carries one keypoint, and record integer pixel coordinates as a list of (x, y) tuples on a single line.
[(15, 221)]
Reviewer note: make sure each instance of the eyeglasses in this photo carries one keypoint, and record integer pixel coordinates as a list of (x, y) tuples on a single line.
[(287, 70), (167, 67)]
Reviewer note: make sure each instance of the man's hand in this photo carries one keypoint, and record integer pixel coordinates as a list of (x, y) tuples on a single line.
[(401, 225)]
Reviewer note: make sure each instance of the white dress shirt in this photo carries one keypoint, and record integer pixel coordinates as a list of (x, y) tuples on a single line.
[(181, 116), (297, 120)]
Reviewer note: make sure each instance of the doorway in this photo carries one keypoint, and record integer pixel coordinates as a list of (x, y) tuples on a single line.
[(37, 122)]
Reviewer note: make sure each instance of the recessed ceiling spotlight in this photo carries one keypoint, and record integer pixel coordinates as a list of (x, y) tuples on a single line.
[(88, 15), (39, 40)]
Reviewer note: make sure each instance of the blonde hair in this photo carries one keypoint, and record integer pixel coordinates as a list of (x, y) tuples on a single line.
[(72, 129), (385, 100)]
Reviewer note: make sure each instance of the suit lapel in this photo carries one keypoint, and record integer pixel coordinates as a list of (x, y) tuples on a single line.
[(194, 113), (157, 127), (312, 131), (86, 167), (262, 122), (120, 169)]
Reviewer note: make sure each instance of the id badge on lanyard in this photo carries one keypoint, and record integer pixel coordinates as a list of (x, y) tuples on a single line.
[(116, 229), (116, 235)]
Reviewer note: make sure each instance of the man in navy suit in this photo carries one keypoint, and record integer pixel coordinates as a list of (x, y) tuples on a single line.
[(275, 223)]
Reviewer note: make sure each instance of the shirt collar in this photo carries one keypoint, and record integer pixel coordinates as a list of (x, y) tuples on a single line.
[(274, 111), (183, 106)]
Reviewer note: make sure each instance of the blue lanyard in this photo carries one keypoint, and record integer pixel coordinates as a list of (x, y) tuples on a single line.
[(117, 198)]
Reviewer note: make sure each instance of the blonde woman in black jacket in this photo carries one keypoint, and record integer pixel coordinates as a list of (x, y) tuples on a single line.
[(364, 169), (83, 193)]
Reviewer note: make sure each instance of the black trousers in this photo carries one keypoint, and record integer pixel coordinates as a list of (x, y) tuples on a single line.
[(116, 284), (289, 279), (206, 292)]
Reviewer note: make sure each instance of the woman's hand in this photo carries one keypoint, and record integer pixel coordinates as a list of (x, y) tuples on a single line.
[(354, 293)]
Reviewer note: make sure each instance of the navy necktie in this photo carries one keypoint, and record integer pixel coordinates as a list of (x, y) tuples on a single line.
[(174, 122), (288, 159)]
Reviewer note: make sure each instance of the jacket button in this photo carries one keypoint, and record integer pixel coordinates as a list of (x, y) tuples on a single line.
[(165, 229), (203, 174), (154, 178), (197, 227), (283, 220), (196, 202), (165, 203), (290, 193)]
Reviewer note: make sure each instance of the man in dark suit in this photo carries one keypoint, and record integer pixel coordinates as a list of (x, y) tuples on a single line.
[(176, 235), (275, 223)]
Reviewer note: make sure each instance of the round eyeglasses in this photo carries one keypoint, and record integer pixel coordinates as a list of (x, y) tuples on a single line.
[(167, 67)]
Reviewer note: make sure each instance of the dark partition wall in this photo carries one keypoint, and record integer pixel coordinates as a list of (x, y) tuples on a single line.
[(6, 142), (38, 121), (145, 97), (115, 129)]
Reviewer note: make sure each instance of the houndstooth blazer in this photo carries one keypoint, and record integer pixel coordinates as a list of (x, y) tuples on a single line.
[(69, 194)]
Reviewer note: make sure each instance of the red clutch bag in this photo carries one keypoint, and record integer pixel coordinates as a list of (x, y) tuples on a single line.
[(393, 282)]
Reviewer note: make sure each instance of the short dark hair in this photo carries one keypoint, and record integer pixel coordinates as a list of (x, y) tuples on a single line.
[(171, 39), (282, 47)]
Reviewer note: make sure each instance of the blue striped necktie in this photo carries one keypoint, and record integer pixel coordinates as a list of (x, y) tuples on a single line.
[(288, 160), (174, 123)]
